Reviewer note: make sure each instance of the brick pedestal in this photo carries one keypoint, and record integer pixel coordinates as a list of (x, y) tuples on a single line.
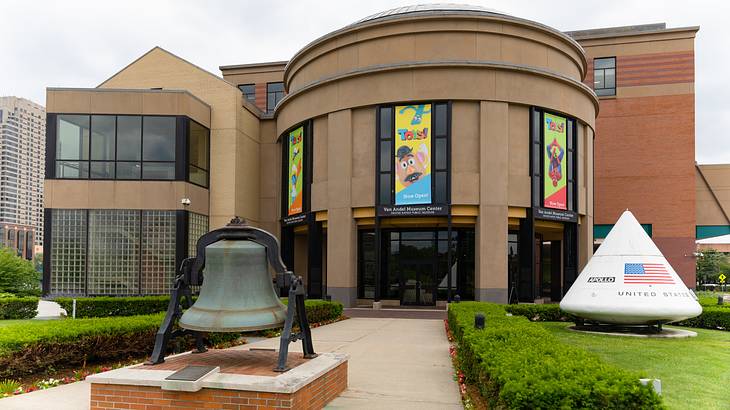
[(310, 385)]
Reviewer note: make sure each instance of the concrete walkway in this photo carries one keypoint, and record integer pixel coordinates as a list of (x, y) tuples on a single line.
[(394, 364), (48, 309)]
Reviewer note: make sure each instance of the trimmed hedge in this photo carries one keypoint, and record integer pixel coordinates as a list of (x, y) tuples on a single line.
[(27, 348), (106, 306), (712, 317), (540, 313), (37, 346), (520, 365), (320, 310), (18, 308)]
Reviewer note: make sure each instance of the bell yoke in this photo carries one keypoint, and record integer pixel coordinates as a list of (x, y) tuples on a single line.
[(237, 293)]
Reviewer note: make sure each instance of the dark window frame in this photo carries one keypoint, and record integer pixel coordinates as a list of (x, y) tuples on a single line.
[(246, 94), (179, 164), (605, 91), (278, 95), (187, 155), (307, 134), (458, 242), (537, 158), (388, 172)]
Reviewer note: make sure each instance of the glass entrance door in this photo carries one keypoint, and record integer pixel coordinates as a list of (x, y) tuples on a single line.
[(417, 283)]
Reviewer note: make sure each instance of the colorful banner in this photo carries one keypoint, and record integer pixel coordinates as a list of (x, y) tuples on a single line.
[(296, 171), (413, 154), (556, 163)]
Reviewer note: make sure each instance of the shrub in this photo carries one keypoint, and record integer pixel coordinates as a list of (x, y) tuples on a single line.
[(106, 306), (540, 313), (321, 310), (27, 348), (18, 308), (519, 365), (17, 275), (712, 317)]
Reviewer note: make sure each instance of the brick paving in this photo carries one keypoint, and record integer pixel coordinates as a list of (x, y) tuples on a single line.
[(435, 314), (252, 362)]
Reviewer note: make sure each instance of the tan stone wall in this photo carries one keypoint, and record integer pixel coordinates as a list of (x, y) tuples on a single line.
[(713, 194), (89, 194), (235, 183), (142, 102), (436, 38), (254, 74), (492, 72)]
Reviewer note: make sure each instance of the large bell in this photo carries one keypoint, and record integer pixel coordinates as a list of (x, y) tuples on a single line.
[(237, 293)]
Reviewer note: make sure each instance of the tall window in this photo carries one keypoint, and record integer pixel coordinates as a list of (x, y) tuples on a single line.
[(158, 148), (435, 153), (274, 94), (72, 146), (111, 147), (604, 76), (198, 154), (249, 92), (129, 147)]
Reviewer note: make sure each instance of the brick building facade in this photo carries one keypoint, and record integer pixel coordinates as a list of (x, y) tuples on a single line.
[(645, 134)]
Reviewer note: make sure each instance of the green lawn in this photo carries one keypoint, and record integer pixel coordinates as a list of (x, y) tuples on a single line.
[(695, 372), (4, 323)]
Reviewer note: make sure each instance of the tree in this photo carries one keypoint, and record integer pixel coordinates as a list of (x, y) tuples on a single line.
[(17, 275), (710, 265)]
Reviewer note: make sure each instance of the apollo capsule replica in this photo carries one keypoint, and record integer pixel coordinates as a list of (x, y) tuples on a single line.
[(629, 282)]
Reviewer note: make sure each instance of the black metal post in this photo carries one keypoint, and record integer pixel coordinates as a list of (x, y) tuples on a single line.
[(448, 259), (378, 259)]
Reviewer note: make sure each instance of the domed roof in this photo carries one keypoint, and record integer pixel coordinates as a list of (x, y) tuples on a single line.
[(434, 8)]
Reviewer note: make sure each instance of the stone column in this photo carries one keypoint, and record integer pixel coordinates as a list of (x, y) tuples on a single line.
[(585, 230), (341, 229), (491, 252)]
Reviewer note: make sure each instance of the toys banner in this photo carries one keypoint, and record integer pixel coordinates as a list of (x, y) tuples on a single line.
[(413, 154), (296, 171), (554, 174)]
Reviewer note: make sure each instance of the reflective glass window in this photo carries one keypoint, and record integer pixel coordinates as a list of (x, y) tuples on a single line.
[(73, 137), (158, 139), (103, 133), (129, 138)]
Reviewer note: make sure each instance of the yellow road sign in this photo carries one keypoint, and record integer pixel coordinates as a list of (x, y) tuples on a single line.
[(722, 278)]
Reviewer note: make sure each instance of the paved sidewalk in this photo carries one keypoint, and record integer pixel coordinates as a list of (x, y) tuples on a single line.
[(48, 309), (394, 364), (74, 396)]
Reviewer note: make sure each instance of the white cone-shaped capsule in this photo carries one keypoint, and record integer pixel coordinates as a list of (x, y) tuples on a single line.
[(628, 281)]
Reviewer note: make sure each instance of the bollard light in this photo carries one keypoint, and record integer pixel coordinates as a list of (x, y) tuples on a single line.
[(479, 321), (457, 299), (720, 300)]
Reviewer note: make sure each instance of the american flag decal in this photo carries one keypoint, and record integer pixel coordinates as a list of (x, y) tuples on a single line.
[(647, 274)]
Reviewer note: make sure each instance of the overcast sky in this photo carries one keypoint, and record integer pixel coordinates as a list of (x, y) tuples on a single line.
[(81, 43)]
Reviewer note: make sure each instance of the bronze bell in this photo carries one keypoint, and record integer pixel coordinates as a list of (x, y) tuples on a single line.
[(237, 293)]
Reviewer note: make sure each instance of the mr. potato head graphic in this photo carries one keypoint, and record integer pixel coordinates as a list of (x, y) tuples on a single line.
[(411, 167)]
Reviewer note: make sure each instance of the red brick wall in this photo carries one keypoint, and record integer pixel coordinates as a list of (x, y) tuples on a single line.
[(644, 161), (650, 69), (261, 96), (313, 396)]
